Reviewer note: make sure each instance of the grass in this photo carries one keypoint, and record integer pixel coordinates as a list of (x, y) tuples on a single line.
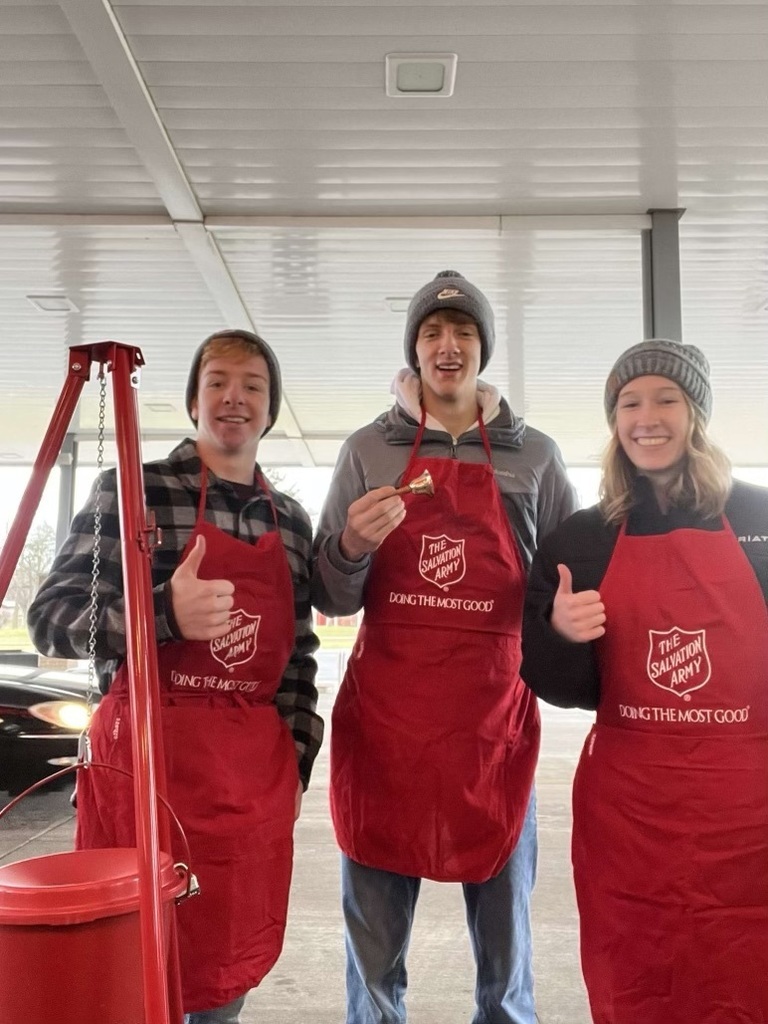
[(15, 640), (336, 637)]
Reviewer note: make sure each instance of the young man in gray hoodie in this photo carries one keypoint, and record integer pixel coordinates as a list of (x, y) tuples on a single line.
[(435, 737)]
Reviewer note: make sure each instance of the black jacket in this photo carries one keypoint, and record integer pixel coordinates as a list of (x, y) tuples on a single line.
[(565, 673)]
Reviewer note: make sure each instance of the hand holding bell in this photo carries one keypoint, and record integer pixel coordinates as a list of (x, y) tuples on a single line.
[(419, 485)]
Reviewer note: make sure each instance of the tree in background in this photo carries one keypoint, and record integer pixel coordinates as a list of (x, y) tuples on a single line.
[(33, 566), (278, 480)]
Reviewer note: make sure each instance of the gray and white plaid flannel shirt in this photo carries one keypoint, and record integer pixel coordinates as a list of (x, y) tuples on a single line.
[(59, 616)]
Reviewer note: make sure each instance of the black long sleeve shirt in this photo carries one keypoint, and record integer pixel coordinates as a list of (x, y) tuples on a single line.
[(565, 673)]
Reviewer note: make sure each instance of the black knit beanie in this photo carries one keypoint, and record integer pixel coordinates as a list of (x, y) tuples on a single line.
[(686, 365), (260, 348), (450, 290)]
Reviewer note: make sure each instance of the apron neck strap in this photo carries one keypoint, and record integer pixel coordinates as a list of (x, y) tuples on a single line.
[(262, 482), (420, 435), (484, 434), (203, 494)]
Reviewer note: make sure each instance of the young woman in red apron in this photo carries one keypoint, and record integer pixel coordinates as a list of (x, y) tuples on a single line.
[(231, 769), (435, 737), (670, 803), (670, 841)]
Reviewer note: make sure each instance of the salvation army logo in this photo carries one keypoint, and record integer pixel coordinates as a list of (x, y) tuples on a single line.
[(678, 660), (442, 560), (238, 645)]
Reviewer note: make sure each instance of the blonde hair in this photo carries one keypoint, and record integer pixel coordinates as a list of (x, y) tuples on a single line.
[(702, 484)]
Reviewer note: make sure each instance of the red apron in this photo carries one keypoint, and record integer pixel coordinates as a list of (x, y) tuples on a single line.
[(670, 803), (231, 766), (435, 737)]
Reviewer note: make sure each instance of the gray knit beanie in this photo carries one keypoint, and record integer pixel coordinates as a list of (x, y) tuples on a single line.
[(450, 290), (686, 365), (260, 348)]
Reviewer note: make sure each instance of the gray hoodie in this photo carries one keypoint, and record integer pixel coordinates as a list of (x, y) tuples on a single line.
[(528, 469)]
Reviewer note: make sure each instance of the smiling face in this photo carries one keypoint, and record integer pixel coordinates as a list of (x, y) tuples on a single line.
[(231, 407), (653, 423), (448, 352)]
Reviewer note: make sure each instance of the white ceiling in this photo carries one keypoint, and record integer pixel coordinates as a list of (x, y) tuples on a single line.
[(174, 167)]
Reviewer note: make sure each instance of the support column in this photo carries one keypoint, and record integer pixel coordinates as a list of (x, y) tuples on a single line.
[(67, 463), (662, 312)]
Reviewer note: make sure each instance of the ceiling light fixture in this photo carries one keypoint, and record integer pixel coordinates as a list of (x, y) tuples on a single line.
[(52, 304), (420, 74)]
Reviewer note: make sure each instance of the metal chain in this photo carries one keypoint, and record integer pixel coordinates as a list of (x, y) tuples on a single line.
[(95, 568)]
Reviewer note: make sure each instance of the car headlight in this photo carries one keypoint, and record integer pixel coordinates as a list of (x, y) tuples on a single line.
[(66, 714)]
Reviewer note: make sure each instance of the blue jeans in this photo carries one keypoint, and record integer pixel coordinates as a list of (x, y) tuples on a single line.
[(379, 908), (229, 1014)]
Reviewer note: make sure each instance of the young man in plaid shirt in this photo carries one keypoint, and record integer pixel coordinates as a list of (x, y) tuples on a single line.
[(237, 676)]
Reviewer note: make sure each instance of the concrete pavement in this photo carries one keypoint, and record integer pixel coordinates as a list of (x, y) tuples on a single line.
[(308, 982), (307, 985)]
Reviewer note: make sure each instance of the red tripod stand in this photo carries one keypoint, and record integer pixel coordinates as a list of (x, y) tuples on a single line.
[(162, 998)]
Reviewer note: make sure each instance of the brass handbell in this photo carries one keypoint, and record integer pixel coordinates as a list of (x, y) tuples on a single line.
[(419, 485)]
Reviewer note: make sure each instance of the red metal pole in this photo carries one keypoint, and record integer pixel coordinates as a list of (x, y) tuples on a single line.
[(162, 983), (79, 370), (142, 675), (136, 546)]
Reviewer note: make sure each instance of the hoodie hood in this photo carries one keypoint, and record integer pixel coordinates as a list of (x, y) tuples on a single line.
[(401, 422)]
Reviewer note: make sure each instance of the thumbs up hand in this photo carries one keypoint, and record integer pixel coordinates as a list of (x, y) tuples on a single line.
[(201, 607), (577, 617)]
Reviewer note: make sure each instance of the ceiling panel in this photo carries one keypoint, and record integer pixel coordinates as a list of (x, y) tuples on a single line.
[(216, 115), (479, 19), (62, 147), (133, 285), (548, 290), (490, 48)]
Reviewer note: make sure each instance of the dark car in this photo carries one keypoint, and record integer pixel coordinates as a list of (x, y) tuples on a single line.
[(42, 713)]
